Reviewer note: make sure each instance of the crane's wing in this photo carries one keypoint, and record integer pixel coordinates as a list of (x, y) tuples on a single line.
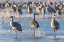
[(56, 24), (36, 23), (17, 26)]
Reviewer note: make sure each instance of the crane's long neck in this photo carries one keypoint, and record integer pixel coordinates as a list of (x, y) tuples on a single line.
[(53, 19), (34, 16), (11, 21)]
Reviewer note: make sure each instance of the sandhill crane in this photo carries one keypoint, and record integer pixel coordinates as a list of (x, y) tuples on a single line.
[(6, 4), (16, 26), (29, 9), (18, 10), (54, 24), (43, 11), (33, 23), (38, 9), (1, 6), (58, 12), (14, 7), (33, 4), (50, 10)]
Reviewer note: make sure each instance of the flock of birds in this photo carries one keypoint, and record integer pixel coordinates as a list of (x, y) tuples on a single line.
[(41, 7)]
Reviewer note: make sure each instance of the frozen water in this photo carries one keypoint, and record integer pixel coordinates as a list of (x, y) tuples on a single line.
[(43, 34)]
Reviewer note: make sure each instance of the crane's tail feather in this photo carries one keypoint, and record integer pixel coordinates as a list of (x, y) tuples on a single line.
[(56, 28)]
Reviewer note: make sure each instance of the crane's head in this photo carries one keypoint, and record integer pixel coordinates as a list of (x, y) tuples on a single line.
[(11, 17), (11, 20)]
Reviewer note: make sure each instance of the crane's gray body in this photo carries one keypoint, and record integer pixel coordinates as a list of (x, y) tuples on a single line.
[(15, 25)]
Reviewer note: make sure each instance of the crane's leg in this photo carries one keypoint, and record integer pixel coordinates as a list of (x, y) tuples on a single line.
[(54, 33), (54, 30), (44, 16), (30, 13), (34, 32), (16, 34)]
